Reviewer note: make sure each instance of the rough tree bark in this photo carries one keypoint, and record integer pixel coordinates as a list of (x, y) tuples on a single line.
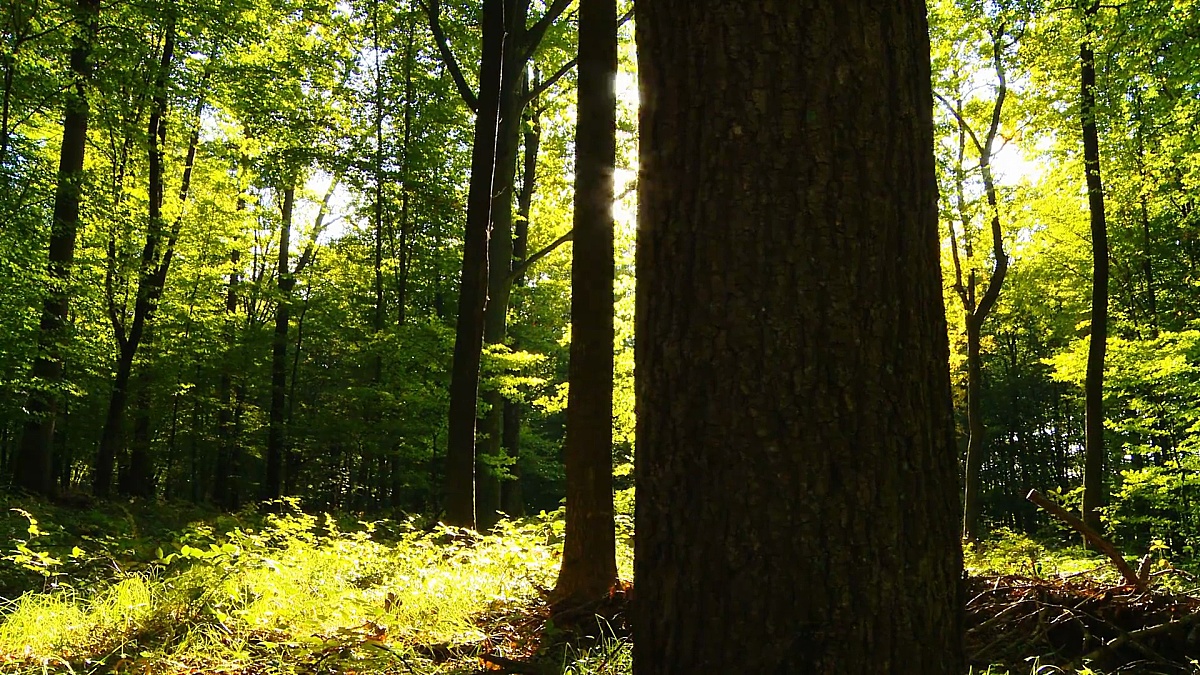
[(796, 464), (472, 297), (589, 566), (1094, 490), (34, 461)]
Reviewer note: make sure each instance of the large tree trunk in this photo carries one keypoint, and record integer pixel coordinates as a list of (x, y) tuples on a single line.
[(1094, 491), (495, 316), (589, 566), (34, 462), (472, 294), (796, 465)]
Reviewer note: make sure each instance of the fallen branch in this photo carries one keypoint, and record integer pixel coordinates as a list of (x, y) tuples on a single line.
[(1101, 544)]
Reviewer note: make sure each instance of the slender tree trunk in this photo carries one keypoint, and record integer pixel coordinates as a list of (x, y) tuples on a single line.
[(10, 64), (377, 211), (35, 457), (272, 487), (796, 465), (589, 566), (293, 459), (512, 497), (975, 430), (137, 477), (976, 311), (155, 264), (404, 254), (227, 441), (468, 339), (1094, 490)]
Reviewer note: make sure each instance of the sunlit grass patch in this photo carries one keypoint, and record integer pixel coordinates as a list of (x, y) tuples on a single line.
[(295, 591)]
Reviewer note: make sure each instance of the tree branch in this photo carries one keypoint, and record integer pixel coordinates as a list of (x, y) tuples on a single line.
[(433, 10), (318, 227), (528, 262), (549, 82), (541, 88), (533, 36)]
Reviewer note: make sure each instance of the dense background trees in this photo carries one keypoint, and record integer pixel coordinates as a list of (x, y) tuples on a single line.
[(263, 286)]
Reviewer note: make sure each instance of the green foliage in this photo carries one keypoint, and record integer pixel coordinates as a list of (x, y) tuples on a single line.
[(297, 591)]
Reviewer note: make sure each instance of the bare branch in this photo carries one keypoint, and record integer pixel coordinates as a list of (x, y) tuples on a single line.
[(319, 226), (533, 36), (528, 262), (433, 10), (566, 68)]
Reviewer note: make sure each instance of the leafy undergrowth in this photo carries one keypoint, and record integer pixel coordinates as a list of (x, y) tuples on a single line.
[(134, 589), (298, 594)]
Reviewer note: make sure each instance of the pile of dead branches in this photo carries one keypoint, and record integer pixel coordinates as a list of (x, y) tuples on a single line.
[(1075, 621)]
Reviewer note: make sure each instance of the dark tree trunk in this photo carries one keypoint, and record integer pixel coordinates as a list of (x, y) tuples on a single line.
[(977, 310), (1094, 490), (35, 457), (225, 475), (403, 251), (495, 318), (796, 465), (272, 487), (507, 46), (472, 297), (512, 497), (137, 478), (279, 416), (155, 264), (975, 430), (589, 566)]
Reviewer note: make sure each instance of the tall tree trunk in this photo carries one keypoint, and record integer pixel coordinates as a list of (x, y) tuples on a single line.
[(589, 566), (796, 464), (272, 486), (404, 253), (512, 497), (472, 295), (975, 430), (155, 264), (495, 318), (377, 210), (1094, 490), (507, 45), (136, 477), (35, 461), (279, 416), (225, 474), (977, 310)]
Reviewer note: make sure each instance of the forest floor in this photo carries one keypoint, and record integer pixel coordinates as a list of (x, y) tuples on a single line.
[(153, 588)]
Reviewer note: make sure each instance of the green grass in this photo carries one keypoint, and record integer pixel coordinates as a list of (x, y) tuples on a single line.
[(295, 595)]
